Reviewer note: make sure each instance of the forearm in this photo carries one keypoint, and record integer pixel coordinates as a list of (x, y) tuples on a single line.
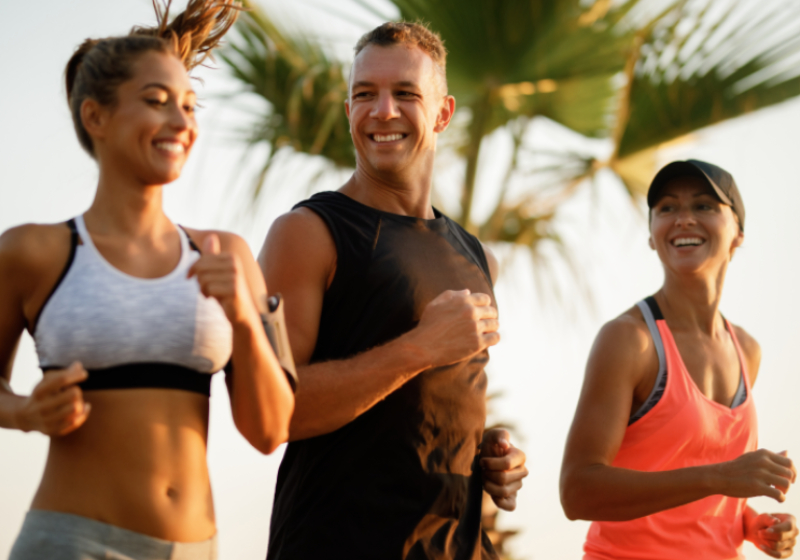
[(605, 493), (261, 398), (9, 406), (332, 394)]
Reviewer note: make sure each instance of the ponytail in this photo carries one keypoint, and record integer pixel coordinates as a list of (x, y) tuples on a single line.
[(98, 66)]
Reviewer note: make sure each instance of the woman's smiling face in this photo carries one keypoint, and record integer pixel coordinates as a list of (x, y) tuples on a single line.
[(151, 128), (691, 229)]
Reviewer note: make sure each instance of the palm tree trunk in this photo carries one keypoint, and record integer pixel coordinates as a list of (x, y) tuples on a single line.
[(481, 112)]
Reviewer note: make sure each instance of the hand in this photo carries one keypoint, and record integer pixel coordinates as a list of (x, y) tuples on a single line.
[(773, 533), (456, 326), (503, 468), (220, 276), (56, 406), (758, 473)]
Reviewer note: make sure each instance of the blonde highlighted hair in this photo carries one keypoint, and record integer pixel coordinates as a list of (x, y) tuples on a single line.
[(98, 66)]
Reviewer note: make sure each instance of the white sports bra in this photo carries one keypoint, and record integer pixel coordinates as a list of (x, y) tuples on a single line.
[(131, 332)]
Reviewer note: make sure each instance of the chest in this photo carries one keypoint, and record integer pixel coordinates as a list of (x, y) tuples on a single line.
[(713, 364), (410, 265)]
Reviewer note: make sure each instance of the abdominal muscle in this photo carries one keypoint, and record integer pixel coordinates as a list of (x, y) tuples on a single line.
[(138, 462)]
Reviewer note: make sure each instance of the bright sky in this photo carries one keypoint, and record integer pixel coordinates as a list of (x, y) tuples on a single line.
[(539, 364)]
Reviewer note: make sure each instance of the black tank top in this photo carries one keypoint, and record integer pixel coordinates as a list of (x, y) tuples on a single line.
[(401, 481)]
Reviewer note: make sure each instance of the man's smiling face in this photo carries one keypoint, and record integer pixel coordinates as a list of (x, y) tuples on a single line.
[(397, 105)]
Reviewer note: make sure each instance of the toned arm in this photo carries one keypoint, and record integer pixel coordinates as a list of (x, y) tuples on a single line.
[(592, 489), (31, 260), (261, 398), (299, 261)]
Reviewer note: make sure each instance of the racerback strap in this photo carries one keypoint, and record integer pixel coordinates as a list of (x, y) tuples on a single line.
[(652, 313)]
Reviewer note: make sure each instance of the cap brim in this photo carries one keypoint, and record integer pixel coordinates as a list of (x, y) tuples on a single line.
[(680, 169)]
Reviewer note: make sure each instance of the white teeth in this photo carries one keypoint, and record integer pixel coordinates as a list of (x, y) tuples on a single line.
[(174, 147), (387, 138), (681, 241)]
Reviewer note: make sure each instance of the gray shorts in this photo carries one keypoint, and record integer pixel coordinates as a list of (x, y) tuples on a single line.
[(51, 535)]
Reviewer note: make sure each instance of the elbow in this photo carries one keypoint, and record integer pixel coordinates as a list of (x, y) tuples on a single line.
[(269, 440), (268, 434), (573, 497)]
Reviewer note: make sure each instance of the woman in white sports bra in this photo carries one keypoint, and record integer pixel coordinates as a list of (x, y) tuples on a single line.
[(131, 315)]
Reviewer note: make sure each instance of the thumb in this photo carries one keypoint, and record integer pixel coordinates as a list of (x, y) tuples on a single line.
[(211, 244), (499, 441)]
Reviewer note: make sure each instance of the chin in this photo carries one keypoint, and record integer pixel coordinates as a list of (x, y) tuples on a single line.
[(392, 166)]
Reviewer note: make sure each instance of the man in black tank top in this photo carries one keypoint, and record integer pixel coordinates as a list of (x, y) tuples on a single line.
[(390, 313)]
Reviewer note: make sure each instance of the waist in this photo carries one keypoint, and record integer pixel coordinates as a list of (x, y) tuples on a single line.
[(138, 462), (44, 530), (145, 375), (711, 528)]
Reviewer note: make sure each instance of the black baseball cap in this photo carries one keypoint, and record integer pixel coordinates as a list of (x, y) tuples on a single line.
[(720, 181)]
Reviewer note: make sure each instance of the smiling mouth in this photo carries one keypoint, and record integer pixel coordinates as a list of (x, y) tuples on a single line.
[(171, 147), (687, 242), (383, 138)]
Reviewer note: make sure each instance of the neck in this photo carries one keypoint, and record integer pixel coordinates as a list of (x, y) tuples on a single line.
[(392, 193), (692, 301), (124, 206)]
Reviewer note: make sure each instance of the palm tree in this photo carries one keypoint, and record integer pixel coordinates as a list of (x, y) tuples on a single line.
[(637, 74)]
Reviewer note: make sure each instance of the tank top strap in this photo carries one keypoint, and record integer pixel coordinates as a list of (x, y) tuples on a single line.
[(744, 381), (652, 313), (355, 227)]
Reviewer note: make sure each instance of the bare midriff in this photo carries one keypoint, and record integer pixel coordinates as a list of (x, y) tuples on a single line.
[(138, 462)]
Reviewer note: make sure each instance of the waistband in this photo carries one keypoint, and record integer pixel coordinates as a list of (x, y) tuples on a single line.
[(116, 539)]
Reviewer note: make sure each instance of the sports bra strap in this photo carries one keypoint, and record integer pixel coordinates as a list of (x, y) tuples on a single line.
[(74, 241), (192, 244), (652, 313)]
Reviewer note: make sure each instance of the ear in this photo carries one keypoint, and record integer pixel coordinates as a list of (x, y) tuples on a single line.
[(445, 114), (650, 242), (737, 241), (347, 107), (94, 118)]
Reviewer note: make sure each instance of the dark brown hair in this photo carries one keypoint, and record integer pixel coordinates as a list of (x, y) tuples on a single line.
[(99, 66), (411, 35)]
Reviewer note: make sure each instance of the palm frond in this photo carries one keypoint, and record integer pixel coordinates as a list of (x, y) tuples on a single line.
[(710, 69), (304, 90)]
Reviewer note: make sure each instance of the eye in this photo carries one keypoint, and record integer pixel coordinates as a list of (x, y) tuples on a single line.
[(361, 94), (406, 94), (189, 109), (156, 102)]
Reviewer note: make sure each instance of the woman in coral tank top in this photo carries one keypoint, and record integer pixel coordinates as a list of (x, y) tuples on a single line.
[(662, 454)]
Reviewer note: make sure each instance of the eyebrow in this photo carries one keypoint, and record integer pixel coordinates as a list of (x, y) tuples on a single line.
[(395, 84), (162, 87)]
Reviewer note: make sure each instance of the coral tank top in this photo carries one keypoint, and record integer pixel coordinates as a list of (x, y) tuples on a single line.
[(684, 429)]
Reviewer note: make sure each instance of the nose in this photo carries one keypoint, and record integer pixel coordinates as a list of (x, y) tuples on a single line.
[(385, 107), (179, 119), (685, 217)]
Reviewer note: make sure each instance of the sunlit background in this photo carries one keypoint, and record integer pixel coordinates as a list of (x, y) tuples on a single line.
[(549, 314)]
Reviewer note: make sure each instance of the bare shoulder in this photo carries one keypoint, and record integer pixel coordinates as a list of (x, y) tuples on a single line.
[(491, 260), (627, 332), (751, 350), (624, 347), (301, 224), (302, 237), (34, 248)]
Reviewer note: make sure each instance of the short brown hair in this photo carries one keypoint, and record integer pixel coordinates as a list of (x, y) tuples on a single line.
[(99, 66), (409, 34)]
